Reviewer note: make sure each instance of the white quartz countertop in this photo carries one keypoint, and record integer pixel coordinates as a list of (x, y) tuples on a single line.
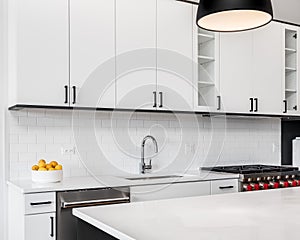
[(272, 214), (27, 186)]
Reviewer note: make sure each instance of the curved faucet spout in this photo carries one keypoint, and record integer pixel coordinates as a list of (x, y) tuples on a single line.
[(145, 167)]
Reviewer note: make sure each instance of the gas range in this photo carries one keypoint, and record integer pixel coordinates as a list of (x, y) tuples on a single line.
[(262, 177)]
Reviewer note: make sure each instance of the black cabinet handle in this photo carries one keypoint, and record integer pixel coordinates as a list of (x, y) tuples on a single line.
[(74, 94), (251, 104), (226, 187), (285, 106), (219, 102), (52, 227), (256, 104), (40, 203), (66, 94), (155, 102), (161, 99)]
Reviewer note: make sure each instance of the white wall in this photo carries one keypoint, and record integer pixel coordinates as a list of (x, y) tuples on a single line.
[(3, 98), (42, 134), (287, 10)]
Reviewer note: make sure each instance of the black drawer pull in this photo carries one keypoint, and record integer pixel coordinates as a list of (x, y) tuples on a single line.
[(52, 227), (251, 104), (256, 104), (226, 187), (66, 94), (219, 102), (74, 94), (40, 203), (285, 106), (154, 100), (161, 99)]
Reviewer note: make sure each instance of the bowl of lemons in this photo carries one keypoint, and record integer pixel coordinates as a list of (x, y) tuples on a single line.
[(45, 172)]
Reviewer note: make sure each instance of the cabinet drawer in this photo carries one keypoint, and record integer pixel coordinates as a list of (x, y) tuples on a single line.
[(40, 203), (167, 191), (224, 186)]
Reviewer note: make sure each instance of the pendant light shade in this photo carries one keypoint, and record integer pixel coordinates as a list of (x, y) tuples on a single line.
[(233, 15)]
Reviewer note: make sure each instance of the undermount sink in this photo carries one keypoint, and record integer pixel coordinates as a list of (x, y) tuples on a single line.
[(154, 177)]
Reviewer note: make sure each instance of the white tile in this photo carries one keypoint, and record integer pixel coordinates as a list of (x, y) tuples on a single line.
[(27, 139), (18, 148), (13, 138), (27, 121), (33, 148), (46, 122), (44, 139)]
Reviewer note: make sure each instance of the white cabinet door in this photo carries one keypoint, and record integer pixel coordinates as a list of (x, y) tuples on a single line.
[(236, 68), (268, 70), (38, 55), (135, 53), (92, 62), (175, 55), (167, 191), (40, 227)]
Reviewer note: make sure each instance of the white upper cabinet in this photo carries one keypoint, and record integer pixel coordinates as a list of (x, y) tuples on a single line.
[(136, 54), (174, 55), (236, 68), (251, 70), (38, 51), (92, 61), (268, 68)]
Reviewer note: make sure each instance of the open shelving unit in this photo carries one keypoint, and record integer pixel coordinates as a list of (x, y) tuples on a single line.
[(291, 91), (207, 52)]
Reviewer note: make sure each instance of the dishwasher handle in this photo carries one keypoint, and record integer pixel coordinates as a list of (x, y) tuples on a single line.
[(95, 202)]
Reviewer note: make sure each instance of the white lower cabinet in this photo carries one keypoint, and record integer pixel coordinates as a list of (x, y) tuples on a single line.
[(31, 216), (167, 191), (40, 226)]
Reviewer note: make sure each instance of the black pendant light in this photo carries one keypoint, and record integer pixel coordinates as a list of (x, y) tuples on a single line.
[(233, 15)]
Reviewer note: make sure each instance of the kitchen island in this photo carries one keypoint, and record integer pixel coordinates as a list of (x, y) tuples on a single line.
[(271, 214)]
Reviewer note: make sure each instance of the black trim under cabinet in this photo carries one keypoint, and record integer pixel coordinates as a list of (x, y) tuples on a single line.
[(19, 107)]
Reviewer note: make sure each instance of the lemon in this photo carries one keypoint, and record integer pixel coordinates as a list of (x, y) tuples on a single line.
[(51, 169), (53, 163), (48, 166), (58, 167), (42, 169), (42, 165), (35, 168), (42, 161)]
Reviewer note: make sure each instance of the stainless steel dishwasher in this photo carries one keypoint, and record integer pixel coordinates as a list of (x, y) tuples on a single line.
[(67, 223)]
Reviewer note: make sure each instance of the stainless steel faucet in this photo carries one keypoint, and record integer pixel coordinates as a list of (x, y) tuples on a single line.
[(143, 165)]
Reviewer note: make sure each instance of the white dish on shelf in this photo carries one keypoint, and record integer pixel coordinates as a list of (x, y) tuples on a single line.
[(47, 176)]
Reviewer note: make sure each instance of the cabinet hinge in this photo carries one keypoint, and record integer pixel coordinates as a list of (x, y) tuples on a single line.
[(295, 108), (295, 36)]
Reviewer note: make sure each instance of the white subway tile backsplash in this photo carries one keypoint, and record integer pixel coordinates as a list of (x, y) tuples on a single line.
[(33, 148), (27, 139), (184, 141), (18, 148)]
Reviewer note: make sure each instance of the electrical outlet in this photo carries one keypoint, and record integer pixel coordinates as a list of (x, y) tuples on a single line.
[(68, 150), (189, 148)]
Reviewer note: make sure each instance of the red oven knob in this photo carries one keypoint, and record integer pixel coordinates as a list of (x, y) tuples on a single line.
[(274, 185), (255, 186), (247, 187), (293, 183), (263, 185), (284, 184)]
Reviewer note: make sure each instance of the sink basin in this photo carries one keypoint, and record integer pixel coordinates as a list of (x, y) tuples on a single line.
[(154, 177)]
